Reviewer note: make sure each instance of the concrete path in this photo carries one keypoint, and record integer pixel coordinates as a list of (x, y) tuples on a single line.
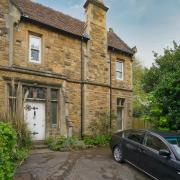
[(92, 164)]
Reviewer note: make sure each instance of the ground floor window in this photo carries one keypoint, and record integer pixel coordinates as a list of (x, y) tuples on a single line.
[(120, 112), (54, 106), (12, 98)]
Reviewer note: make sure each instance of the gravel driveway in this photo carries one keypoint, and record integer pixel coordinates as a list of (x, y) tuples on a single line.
[(92, 164)]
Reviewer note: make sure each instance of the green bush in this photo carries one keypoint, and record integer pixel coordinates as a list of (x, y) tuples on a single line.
[(64, 144), (23, 135), (19, 156), (8, 142), (97, 140)]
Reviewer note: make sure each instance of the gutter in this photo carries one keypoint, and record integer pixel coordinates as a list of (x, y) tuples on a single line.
[(82, 90), (110, 123)]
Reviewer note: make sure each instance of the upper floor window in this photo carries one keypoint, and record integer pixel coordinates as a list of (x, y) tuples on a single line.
[(35, 49), (119, 70)]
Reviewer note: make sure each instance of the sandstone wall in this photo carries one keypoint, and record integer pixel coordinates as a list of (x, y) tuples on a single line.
[(4, 44), (60, 54), (74, 106), (97, 100), (126, 83), (97, 65)]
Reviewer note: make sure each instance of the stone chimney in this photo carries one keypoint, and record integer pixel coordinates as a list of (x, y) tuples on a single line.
[(97, 66)]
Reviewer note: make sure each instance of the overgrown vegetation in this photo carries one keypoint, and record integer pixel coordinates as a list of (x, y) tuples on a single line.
[(65, 144), (23, 136), (101, 125), (62, 143), (162, 83), (15, 142), (98, 140), (8, 140), (10, 154), (99, 135)]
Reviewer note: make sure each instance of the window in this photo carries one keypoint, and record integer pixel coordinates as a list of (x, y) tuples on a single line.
[(34, 49), (38, 93), (119, 70), (136, 136), (120, 102), (175, 142), (12, 98), (54, 106), (155, 143), (120, 112)]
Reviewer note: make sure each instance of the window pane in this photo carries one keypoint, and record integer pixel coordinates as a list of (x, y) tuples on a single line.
[(54, 106), (35, 42), (34, 55), (155, 143), (54, 94), (135, 136), (119, 118), (119, 75), (12, 105), (120, 101), (29, 90), (12, 91), (41, 93), (119, 66)]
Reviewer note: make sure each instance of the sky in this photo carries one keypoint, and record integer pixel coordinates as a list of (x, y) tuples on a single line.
[(151, 25)]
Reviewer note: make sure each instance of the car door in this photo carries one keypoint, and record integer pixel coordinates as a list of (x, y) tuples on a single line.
[(131, 144), (163, 168)]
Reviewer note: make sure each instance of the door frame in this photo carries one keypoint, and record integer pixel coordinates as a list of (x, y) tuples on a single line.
[(21, 83)]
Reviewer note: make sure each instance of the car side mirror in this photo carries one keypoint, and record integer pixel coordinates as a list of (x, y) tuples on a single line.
[(164, 152)]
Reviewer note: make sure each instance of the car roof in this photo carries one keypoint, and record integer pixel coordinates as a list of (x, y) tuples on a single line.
[(163, 134), (166, 134)]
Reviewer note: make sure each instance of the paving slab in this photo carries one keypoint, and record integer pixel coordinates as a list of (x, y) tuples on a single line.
[(92, 164)]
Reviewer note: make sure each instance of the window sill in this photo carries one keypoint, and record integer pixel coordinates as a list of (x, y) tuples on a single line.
[(34, 62), (119, 79)]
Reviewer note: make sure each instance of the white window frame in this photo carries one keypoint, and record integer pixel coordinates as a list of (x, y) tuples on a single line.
[(40, 49), (118, 70)]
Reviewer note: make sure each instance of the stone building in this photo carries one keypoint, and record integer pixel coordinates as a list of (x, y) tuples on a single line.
[(58, 73)]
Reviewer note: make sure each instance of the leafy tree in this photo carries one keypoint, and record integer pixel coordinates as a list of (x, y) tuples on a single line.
[(139, 96), (162, 82)]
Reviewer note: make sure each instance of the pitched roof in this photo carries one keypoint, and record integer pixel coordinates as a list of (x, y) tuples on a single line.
[(55, 19), (114, 41)]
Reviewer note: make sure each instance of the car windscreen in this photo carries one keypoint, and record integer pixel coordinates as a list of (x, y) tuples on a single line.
[(175, 142)]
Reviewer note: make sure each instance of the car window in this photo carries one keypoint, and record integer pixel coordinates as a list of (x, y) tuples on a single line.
[(175, 142), (155, 143), (136, 136)]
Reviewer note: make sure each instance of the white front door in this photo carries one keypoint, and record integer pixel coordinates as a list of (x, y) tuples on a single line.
[(34, 116)]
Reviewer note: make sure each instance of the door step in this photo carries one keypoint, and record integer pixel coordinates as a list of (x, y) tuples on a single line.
[(39, 145)]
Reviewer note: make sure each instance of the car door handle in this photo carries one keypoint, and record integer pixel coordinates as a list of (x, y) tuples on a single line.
[(178, 173)]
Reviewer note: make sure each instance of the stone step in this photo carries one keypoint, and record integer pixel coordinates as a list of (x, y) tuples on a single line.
[(39, 145)]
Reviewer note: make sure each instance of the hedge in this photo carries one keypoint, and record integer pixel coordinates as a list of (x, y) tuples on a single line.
[(8, 143)]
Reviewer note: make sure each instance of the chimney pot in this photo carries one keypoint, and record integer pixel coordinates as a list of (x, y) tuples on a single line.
[(111, 30)]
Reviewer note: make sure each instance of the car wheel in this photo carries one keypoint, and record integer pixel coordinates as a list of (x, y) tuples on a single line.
[(117, 154)]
